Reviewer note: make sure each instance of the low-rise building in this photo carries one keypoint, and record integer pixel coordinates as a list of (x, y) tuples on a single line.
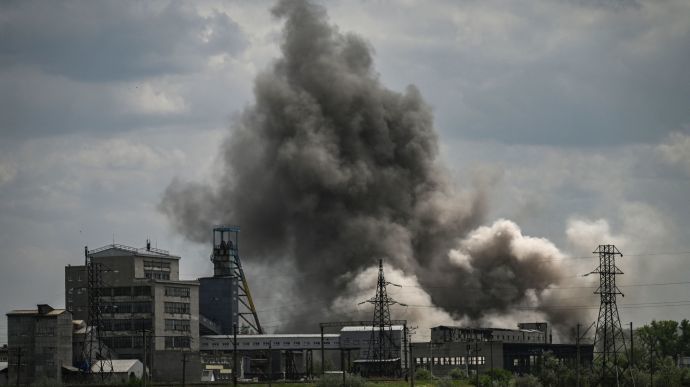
[(39, 343)]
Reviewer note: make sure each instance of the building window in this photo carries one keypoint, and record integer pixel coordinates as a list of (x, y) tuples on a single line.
[(177, 342), (122, 291), (171, 291), (129, 307), (138, 291), (177, 325), (157, 275), (177, 307), (157, 270)]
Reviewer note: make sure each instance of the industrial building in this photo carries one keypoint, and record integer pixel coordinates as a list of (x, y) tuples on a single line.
[(131, 305), (142, 301), (291, 356), (39, 344), (526, 333), (519, 351)]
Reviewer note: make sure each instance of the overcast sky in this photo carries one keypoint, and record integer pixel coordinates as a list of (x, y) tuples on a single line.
[(577, 113)]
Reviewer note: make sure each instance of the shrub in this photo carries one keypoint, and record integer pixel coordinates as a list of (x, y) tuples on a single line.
[(422, 374), (332, 380), (527, 381), (457, 374)]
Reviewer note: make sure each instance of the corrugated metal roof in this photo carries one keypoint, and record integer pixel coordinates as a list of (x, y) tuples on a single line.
[(369, 328), (108, 250), (119, 365), (277, 336), (34, 312)]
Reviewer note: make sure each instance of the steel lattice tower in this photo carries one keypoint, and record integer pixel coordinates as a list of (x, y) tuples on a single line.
[(609, 342), (94, 349), (382, 349)]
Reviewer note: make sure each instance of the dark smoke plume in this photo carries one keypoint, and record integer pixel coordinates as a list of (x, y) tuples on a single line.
[(330, 171)]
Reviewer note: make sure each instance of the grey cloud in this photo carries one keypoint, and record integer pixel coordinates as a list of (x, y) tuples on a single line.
[(105, 41), (567, 73)]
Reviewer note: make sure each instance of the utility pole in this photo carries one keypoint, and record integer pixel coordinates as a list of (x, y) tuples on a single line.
[(19, 363), (632, 346), (234, 354), (413, 366), (270, 363), (577, 344), (323, 356), (651, 362), (431, 359), (143, 358), (184, 368), (476, 360)]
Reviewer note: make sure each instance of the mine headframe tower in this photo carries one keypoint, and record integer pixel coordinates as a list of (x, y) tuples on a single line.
[(609, 341), (384, 353), (227, 263), (94, 350)]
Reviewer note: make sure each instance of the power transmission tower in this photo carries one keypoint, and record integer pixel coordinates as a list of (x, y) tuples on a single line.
[(609, 341), (227, 263), (384, 353), (94, 349)]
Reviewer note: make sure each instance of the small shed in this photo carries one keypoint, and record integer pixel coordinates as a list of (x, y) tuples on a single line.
[(123, 369)]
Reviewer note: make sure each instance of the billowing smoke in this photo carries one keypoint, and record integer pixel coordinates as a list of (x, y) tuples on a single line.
[(329, 171)]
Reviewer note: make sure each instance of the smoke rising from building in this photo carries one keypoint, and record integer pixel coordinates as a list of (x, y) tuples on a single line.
[(331, 171)]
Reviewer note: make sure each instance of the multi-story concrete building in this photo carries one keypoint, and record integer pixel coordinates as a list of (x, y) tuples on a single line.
[(39, 343), (143, 300)]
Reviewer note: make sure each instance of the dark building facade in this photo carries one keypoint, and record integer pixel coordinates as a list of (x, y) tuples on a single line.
[(39, 343), (218, 302)]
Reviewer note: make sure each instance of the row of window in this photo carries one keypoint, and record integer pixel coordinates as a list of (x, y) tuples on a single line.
[(76, 275), (156, 265), (133, 291), (177, 325), (177, 307), (119, 342), (265, 343), (177, 342), (128, 307), (456, 360), (157, 275), (172, 291), (126, 324)]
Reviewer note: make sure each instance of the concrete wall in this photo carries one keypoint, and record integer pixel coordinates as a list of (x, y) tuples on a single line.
[(167, 366), (76, 295), (45, 342)]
